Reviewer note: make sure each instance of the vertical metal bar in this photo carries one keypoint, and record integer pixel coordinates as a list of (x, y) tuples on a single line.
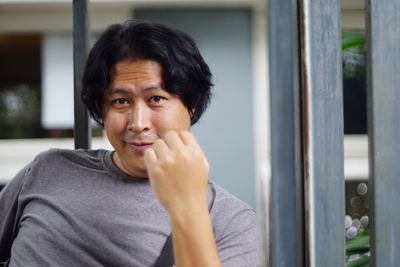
[(383, 46), (323, 132), (82, 129), (286, 195)]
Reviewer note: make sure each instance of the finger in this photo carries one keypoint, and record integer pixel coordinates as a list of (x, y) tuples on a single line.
[(150, 157), (150, 160), (189, 139), (191, 142), (160, 148), (173, 140)]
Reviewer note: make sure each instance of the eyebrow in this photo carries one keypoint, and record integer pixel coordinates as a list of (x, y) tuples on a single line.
[(117, 91), (152, 88)]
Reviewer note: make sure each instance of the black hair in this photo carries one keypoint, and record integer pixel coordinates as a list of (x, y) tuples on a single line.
[(185, 74)]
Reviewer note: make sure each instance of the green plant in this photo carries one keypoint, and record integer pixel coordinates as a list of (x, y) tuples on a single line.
[(357, 247)]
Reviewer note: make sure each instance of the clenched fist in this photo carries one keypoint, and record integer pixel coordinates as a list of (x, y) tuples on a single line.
[(178, 172)]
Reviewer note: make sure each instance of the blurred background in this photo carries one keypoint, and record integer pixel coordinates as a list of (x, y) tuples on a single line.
[(36, 84)]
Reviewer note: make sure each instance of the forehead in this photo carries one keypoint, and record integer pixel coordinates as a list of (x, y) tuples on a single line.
[(136, 70)]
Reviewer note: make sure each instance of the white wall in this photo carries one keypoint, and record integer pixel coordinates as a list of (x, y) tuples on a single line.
[(57, 81)]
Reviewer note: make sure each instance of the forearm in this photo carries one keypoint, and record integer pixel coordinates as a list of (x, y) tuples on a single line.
[(193, 239), (178, 172)]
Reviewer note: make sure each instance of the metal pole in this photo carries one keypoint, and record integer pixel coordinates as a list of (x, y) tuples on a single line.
[(323, 132), (285, 232), (383, 53), (82, 129)]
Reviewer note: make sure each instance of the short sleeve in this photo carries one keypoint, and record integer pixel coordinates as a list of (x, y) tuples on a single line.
[(236, 229), (238, 243)]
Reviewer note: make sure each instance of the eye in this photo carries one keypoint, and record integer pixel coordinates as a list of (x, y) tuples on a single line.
[(120, 101), (156, 99)]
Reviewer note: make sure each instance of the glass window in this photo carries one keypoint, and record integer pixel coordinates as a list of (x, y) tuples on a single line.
[(20, 86), (27, 80)]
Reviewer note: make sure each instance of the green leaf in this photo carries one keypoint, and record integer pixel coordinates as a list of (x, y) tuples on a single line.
[(352, 40), (358, 244)]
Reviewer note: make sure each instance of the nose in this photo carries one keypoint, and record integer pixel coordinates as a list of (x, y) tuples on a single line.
[(139, 118)]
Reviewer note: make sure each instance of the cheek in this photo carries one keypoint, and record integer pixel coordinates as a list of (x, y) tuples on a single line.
[(114, 124), (185, 120), (178, 120)]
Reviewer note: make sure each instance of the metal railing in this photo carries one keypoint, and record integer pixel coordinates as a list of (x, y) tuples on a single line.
[(307, 184), (82, 129)]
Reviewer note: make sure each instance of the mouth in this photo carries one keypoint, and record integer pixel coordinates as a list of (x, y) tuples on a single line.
[(140, 147)]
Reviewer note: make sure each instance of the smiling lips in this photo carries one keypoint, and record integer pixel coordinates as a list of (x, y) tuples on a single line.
[(140, 147)]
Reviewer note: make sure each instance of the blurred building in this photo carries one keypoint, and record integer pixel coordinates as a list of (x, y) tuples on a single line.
[(36, 81)]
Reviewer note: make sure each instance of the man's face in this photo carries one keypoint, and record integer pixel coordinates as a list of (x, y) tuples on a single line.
[(137, 111)]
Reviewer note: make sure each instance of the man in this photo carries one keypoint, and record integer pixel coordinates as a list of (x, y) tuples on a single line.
[(146, 84)]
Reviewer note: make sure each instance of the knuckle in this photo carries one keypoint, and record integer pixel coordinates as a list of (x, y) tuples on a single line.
[(167, 161)]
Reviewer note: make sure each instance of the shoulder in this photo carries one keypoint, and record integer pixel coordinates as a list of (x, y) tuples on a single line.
[(54, 163), (80, 156), (58, 168), (70, 153)]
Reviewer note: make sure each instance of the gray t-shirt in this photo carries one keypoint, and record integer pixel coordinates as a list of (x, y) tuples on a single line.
[(77, 208)]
